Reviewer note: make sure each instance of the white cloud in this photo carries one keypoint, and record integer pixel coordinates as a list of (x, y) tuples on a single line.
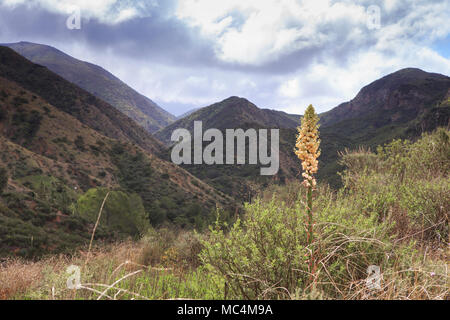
[(290, 88), (266, 31), (325, 85), (106, 11), (270, 28)]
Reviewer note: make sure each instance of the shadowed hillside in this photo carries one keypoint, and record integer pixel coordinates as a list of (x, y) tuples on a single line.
[(99, 82), (241, 181), (396, 98), (400, 105), (234, 112), (63, 149)]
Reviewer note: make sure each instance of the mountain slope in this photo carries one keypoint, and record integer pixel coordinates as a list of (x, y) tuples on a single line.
[(187, 113), (57, 162), (239, 181), (396, 98), (99, 82), (233, 112), (69, 98), (400, 105)]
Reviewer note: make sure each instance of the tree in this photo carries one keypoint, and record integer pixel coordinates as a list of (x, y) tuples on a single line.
[(123, 212)]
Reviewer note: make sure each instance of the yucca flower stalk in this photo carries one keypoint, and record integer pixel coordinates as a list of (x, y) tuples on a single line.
[(307, 150)]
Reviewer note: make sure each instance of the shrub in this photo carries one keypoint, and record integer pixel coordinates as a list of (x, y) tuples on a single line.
[(27, 124), (18, 101), (3, 179), (393, 204), (404, 180), (123, 213), (79, 143), (266, 255), (3, 113)]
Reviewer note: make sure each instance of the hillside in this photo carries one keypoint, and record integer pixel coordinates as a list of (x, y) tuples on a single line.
[(63, 149), (69, 98), (400, 105), (392, 213), (187, 113), (98, 82), (233, 112), (396, 98), (240, 181)]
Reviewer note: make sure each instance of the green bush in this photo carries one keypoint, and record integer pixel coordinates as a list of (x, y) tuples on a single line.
[(123, 213), (79, 143), (406, 182), (392, 203), (27, 124), (266, 254)]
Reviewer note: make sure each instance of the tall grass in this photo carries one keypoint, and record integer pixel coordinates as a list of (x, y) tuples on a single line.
[(116, 271)]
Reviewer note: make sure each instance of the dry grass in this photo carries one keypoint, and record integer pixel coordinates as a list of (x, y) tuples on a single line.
[(112, 270), (115, 271), (18, 276)]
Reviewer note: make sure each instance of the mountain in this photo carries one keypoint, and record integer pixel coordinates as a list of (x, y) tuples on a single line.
[(187, 113), (63, 149), (66, 96), (396, 98), (98, 82), (400, 105), (240, 181), (233, 112)]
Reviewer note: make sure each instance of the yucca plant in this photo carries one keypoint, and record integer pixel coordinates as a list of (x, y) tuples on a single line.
[(307, 150)]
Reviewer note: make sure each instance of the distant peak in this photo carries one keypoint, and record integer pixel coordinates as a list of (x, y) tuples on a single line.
[(233, 98), (409, 70), (237, 100), (413, 72), (25, 43)]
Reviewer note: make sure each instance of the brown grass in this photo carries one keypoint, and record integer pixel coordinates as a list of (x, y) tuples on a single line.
[(18, 276), (166, 251)]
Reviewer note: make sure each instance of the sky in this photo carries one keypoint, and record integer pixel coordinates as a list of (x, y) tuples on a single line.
[(279, 54)]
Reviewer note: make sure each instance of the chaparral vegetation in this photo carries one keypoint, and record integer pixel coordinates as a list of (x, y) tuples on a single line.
[(392, 212)]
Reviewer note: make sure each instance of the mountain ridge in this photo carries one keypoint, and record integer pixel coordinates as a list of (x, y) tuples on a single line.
[(98, 82), (232, 112), (393, 91), (68, 97), (399, 105)]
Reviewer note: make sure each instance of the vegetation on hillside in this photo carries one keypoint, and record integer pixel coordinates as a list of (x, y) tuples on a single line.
[(57, 155), (392, 212), (69, 98), (401, 105), (69, 160), (3, 179), (242, 182)]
